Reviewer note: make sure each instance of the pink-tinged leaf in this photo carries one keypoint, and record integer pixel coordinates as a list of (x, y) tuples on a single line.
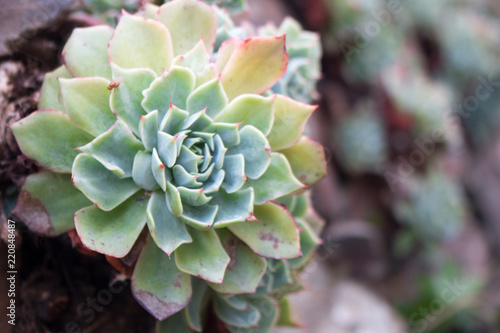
[(288, 114), (47, 202), (141, 43), (112, 233), (158, 285), (49, 137), (225, 51), (189, 21), (255, 66), (307, 159), (274, 235)]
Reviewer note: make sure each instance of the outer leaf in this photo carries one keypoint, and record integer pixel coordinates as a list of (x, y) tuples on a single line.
[(255, 66), (256, 151), (166, 229), (49, 137), (140, 43), (158, 285), (288, 114), (49, 94), (245, 270), (99, 184), (204, 257), (172, 87), (285, 318), (250, 110), (211, 96), (275, 235), (308, 242), (241, 318), (233, 208), (115, 149), (127, 97), (176, 323), (112, 233), (196, 311), (307, 159), (85, 53), (277, 181), (47, 202), (225, 51), (202, 23), (86, 101)]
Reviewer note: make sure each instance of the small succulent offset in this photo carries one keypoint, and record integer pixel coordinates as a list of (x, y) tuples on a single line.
[(143, 128)]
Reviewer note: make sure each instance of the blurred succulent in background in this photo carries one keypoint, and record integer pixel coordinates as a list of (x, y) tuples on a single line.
[(361, 140), (140, 127), (109, 10), (234, 7)]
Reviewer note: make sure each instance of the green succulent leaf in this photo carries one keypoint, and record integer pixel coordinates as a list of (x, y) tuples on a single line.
[(50, 97), (274, 235), (141, 43), (100, 185), (245, 270), (255, 66), (174, 120), (158, 285), (285, 318), (249, 110), (115, 149), (176, 323), (196, 59), (167, 230), (277, 181), (233, 207), (193, 197), (308, 243), (47, 202), (225, 51), (288, 114), (201, 217), (255, 150), (196, 309), (114, 232), (174, 201), (172, 87), (247, 317), (204, 257), (202, 24), (49, 137), (266, 305), (234, 168), (142, 171), (126, 99), (162, 175), (229, 133), (148, 128), (307, 159), (85, 53), (211, 96), (86, 101)]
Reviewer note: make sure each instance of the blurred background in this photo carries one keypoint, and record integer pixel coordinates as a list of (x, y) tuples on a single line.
[(409, 111)]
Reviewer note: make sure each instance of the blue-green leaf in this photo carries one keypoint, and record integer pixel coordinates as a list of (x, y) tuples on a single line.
[(142, 171)]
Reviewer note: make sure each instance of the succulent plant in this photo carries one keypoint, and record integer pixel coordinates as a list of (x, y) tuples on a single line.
[(141, 129), (234, 7)]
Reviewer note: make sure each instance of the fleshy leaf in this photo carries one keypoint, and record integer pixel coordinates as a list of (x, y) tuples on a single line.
[(190, 20), (245, 270), (174, 119), (204, 257), (255, 149), (148, 128), (172, 87), (288, 114), (285, 318), (229, 133), (85, 53), (196, 59), (196, 310), (184, 178), (86, 101), (250, 110), (115, 149), (112, 233), (255, 66), (176, 323), (308, 242), (248, 317), (142, 171), (174, 201), (167, 230), (167, 148), (158, 285), (266, 305), (47, 203), (278, 180), (49, 137), (307, 159), (193, 197), (99, 184), (275, 235), (225, 51), (49, 94), (161, 174), (234, 166), (141, 43), (126, 99), (233, 207), (201, 217), (210, 96)]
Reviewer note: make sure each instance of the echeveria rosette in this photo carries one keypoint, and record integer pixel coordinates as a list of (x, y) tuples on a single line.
[(154, 134)]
